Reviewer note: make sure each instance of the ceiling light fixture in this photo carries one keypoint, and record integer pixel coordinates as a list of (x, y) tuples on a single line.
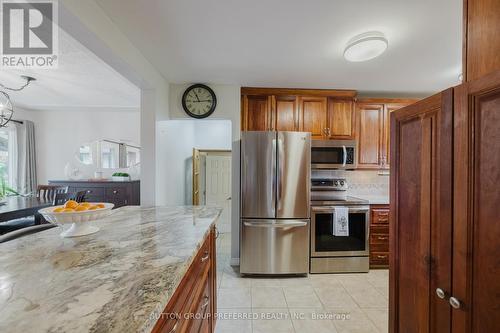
[(6, 109), (365, 46)]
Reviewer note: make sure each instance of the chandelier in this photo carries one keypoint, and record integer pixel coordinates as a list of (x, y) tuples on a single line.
[(6, 108)]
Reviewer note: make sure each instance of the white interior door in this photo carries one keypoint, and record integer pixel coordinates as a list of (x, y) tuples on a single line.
[(218, 187)]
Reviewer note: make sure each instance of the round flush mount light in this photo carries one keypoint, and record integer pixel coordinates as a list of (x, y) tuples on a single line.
[(365, 46)]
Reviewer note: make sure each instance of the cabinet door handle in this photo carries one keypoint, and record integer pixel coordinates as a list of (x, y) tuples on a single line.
[(440, 293), (382, 238), (207, 302), (455, 303), (115, 191), (381, 257), (89, 191), (205, 257)]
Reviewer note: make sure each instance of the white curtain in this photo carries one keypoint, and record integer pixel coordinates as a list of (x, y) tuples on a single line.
[(27, 181)]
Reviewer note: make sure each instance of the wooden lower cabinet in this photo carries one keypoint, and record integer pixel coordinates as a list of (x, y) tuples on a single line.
[(193, 306), (379, 236), (445, 212)]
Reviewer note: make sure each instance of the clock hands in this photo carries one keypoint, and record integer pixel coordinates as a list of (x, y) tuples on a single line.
[(196, 95)]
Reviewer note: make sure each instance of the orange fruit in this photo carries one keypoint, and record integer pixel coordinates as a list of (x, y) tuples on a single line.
[(58, 209), (71, 204), (81, 208), (101, 205), (68, 210), (85, 204), (93, 207)]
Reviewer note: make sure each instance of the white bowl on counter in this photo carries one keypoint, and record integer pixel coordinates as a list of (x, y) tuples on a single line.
[(80, 221)]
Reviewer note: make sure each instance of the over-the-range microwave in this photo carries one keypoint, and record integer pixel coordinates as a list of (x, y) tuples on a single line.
[(333, 154)]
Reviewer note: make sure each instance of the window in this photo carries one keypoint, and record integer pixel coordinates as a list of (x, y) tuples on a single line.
[(8, 155), (4, 155)]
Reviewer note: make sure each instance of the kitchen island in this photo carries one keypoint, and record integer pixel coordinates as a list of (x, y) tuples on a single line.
[(120, 279)]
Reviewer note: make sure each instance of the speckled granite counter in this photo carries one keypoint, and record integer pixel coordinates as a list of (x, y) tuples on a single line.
[(113, 281), (375, 199)]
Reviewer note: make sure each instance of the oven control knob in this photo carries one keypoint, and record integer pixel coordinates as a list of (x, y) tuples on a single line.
[(336, 183), (342, 183)]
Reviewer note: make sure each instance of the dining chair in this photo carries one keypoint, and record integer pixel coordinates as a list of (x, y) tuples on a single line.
[(48, 192), (24, 231), (62, 198)]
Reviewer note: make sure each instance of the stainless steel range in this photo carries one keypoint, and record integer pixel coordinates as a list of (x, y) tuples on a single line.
[(331, 251)]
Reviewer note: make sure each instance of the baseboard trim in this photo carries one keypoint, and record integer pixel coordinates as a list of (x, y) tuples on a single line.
[(234, 262)]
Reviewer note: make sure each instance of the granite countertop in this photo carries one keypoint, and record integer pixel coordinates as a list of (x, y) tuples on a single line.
[(116, 280), (375, 199)]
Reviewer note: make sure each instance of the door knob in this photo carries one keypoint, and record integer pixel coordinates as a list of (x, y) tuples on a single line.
[(455, 303), (440, 293), (228, 198)]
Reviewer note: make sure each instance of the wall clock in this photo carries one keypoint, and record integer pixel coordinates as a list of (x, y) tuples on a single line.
[(199, 101)]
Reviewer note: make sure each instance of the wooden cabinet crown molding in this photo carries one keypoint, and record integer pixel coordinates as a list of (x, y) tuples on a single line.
[(377, 100), (349, 94)]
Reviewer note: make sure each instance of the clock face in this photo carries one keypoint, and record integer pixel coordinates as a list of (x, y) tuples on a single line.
[(199, 101)]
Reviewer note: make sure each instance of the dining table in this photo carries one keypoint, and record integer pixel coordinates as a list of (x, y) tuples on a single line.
[(14, 207)]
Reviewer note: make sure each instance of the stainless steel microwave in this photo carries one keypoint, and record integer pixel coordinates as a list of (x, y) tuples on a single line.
[(334, 154)]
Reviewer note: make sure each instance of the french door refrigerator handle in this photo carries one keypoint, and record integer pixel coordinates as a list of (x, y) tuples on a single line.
[(279, 171), (273, 173)]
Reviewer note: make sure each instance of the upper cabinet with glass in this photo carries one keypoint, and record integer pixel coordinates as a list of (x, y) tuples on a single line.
[(109, 154)]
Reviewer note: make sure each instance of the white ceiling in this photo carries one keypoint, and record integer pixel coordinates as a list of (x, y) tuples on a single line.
[(297, 43), (81, 82)]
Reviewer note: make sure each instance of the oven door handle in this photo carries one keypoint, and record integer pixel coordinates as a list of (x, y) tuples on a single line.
[(329, 209), (275, 225), (345, 156)]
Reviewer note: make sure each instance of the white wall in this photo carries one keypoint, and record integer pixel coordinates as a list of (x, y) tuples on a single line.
[(176, 140), (228, 108), (89, 24), (59, 134)]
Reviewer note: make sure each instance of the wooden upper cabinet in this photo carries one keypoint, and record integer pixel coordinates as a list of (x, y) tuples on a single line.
[(481, 44), (340, 119), (287, 113), (370, 134), (374, 147), (391, 107), (313, 115), (257, 113), (326, 113)]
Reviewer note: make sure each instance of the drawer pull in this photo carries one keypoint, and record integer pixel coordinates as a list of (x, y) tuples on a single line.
[(383, 220), (174, 328), (207, 301), (382, 238), (383, 214), (115, 191), (205, 257), (381, 257)]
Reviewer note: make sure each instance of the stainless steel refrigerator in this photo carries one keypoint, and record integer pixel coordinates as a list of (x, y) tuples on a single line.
[(275, 202)]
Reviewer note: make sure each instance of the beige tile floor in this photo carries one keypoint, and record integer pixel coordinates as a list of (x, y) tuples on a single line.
[(338, 303)]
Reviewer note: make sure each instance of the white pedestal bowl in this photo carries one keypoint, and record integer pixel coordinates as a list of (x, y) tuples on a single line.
[(80, 222)]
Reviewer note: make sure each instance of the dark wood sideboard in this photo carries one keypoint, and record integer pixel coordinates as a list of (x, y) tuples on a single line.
[(119, 193)]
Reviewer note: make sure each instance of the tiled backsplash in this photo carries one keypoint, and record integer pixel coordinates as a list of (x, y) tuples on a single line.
[(361, 182), (367, 182)]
